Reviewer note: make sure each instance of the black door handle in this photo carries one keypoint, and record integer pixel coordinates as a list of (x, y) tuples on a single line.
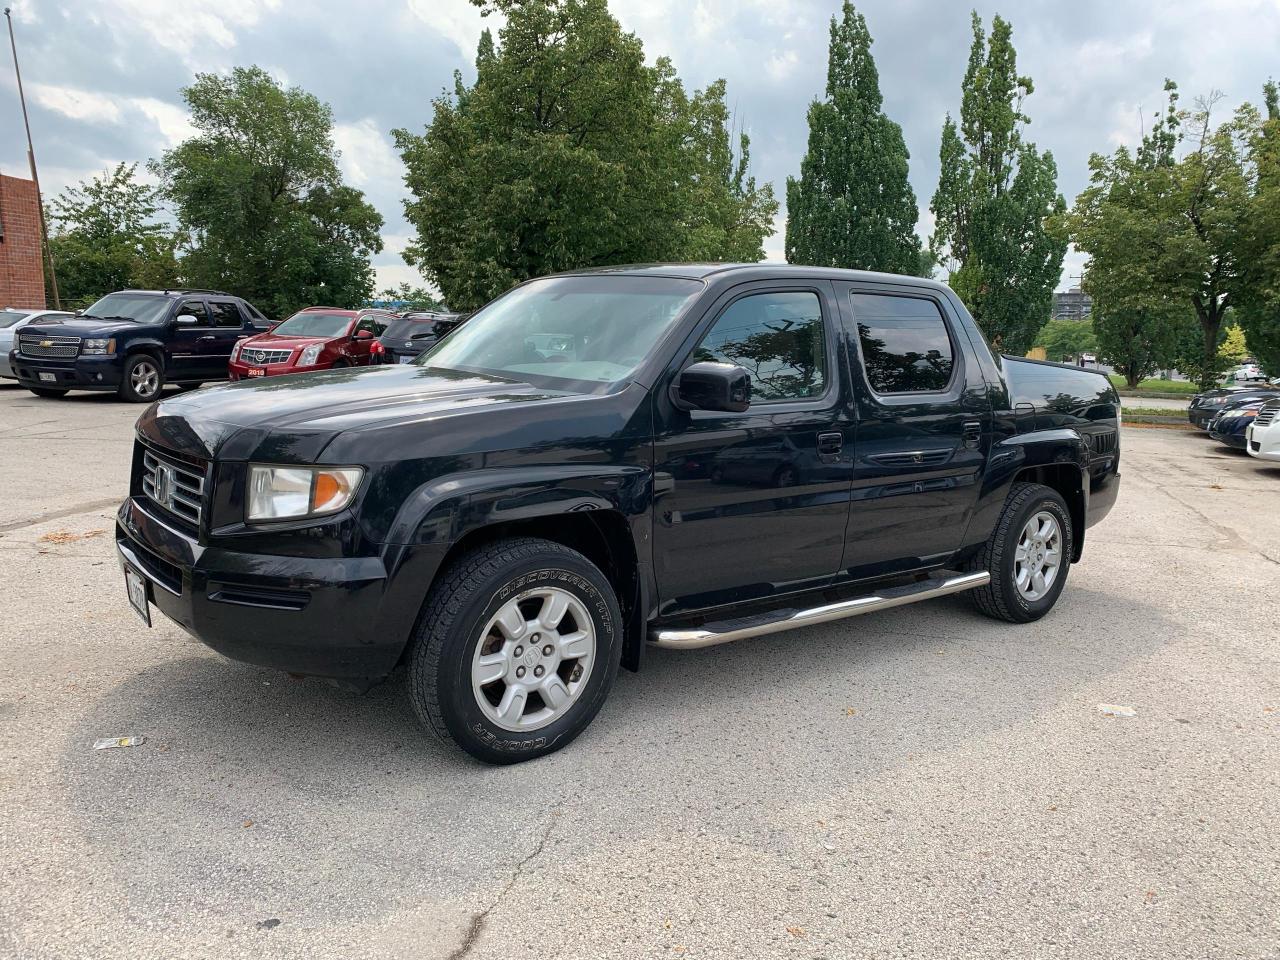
[(972, 433), (830, 444)]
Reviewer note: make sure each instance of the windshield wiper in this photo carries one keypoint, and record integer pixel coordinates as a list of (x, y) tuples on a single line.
[(114, 317)]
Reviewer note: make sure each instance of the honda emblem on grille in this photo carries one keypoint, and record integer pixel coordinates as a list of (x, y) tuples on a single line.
[(163, 485)]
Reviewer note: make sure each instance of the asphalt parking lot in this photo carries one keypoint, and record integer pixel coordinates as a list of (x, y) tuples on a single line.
[(922, 783)]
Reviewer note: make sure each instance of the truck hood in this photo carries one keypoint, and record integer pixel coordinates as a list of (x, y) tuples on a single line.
[(81, 327), (293, 417), (271, 341)]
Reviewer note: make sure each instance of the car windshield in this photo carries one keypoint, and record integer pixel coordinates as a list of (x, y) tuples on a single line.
[(588, 329), (9, 317), (137, 307), (314, 325)]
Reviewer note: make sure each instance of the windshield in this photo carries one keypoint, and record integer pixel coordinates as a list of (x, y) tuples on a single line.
[(314, 325), (138, 307), (594, 329), (9, 317)]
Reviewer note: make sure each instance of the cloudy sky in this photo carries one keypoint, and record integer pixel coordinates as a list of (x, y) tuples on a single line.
[(103, 76)]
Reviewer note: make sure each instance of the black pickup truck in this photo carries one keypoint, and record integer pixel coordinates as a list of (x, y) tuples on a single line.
[(133, 342), (598, 462)]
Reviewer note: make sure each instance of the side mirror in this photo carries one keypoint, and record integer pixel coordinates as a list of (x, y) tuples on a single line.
[(186, 320), (364, 334), (707, 385)]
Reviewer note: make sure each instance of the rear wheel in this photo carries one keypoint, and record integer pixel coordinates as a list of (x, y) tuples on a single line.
[(516, 649), (48, 392), (142, 380), (1028, 555)]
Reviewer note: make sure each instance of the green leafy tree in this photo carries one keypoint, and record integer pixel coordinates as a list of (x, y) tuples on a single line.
[(1139, 324), (853, 205), (570, 151), (260, 200), (997, 207), (414, 298), (1257, 293), (107, 235), (1162, 232), (1064, 339), (1234, 349)]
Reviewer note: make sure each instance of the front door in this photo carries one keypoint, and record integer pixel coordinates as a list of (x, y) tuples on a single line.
[(924, 423), (192, 346), (754, 504)]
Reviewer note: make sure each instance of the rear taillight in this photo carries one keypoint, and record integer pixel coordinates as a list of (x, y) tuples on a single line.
[(377, 347)]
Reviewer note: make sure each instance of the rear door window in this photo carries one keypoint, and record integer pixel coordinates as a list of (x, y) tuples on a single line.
[(225, 314), (904, 342)]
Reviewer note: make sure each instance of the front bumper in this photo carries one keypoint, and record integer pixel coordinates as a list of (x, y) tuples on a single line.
[(82, 373), (1263, 442), (1231, 431), (320, 617), (240, 371), (1202, 417)]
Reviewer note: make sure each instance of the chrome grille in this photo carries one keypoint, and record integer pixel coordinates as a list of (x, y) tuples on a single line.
[(36, 345), (1267, 414), (262, 356), (178, 487)]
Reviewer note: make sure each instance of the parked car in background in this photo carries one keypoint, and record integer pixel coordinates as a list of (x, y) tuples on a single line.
[(409, 334), (12, 320), (1233, 420), (1248, 373), (1205, 406), (1262, 437), (317, 338), (133, 342), (527, 507)]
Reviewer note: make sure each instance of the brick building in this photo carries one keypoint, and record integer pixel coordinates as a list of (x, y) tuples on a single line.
[(21, 265)]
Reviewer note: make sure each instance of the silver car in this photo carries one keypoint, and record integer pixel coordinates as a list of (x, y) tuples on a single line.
[(12, 320)]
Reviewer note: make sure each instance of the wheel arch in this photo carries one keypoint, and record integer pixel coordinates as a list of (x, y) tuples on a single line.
[(1068, 479)]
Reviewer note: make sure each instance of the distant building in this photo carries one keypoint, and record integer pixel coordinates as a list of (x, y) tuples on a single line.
[(1073, 304), (21, 265)]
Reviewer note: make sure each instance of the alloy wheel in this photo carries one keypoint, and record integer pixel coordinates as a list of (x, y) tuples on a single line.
[(145, 379), (1038, 558)]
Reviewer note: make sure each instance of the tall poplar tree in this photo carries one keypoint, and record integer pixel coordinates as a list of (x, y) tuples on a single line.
[(853, 205), (997, 207)]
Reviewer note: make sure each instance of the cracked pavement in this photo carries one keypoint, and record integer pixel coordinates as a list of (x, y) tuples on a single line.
[(921, 783)]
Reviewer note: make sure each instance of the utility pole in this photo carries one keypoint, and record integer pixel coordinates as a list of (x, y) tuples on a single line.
[(35, 177)]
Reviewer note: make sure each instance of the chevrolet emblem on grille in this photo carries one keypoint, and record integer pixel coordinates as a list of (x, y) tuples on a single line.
[(162, 485), (46, 343)]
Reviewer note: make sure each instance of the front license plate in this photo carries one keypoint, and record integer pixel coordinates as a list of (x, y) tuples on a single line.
[(48, 377), (257, 372), (406, 359), (136, 586)]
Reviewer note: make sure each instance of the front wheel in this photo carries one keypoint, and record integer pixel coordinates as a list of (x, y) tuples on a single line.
[(142, 379), (1028, 555), (516, 649)]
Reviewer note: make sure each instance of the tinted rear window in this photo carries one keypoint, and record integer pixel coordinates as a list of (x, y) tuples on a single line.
[(404, 329), (905, 344)]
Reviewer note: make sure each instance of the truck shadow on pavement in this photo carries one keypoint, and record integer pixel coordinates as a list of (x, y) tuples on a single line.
[(259, 796)]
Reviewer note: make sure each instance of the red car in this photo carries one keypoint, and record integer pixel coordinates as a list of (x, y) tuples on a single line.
[(317, 338)]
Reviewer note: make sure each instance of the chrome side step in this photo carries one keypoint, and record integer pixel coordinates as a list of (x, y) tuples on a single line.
[(727, 631)]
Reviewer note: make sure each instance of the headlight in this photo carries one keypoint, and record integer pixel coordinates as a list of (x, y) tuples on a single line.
[(235, 351), (1248, 412), (280, 493), (310, 354), (98, 348)]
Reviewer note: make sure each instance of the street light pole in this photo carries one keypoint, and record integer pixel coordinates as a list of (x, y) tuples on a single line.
[(31, 158)]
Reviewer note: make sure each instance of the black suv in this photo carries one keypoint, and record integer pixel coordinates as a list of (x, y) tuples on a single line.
[(409, 334), (599, 462), (134, 342)]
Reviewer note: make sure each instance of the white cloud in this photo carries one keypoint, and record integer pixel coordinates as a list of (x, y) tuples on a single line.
[(173, 121), (76, 104), (183, 24), (367, 154), (459, 22), (781, 64)]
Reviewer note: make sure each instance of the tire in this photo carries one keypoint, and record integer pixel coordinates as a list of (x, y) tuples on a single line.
[(1003, 598), (142, 379), (340, 364), (49, 393), (458, 625)]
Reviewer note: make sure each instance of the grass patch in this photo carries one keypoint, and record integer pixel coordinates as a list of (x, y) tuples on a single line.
[(1159, 386), (1152, 412)]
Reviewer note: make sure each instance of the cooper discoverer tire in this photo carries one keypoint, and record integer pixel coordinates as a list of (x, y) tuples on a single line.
[(1033, 536), (517, 646)]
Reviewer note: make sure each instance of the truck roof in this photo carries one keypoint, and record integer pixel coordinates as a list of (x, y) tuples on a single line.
[(704, 271)]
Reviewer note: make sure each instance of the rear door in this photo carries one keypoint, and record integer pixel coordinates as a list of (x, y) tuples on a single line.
[(754, 504), (923, 429), (228, 327)]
